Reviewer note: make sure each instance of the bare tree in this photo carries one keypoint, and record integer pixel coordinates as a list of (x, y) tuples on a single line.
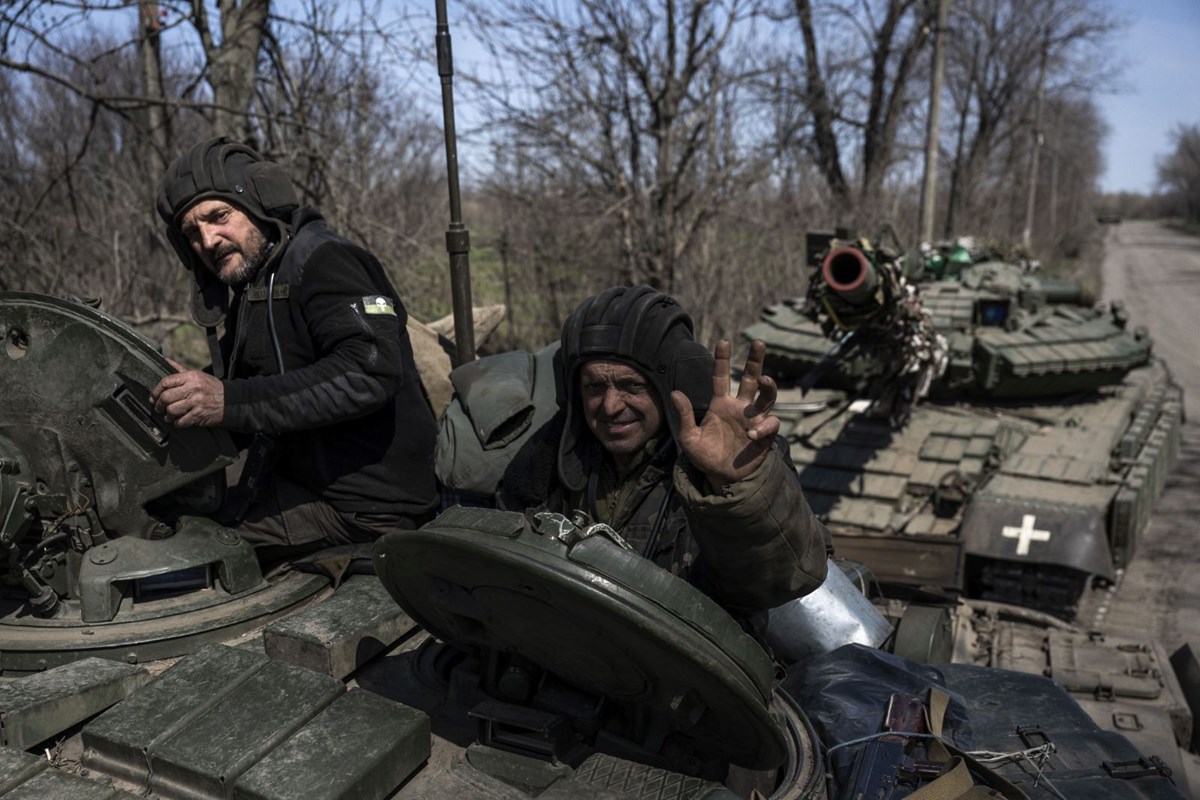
[(853, 91), (1179, 171), (103, 105), (232, 61), (101, 90), (1073, 136), (156, 126), (634, 105), (1000, 52), (39, 38), (631, 142)]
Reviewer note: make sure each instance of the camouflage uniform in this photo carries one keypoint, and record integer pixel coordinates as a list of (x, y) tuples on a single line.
[(753, 546)]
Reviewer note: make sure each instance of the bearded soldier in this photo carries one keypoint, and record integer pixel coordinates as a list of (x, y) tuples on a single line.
[(314, 355)]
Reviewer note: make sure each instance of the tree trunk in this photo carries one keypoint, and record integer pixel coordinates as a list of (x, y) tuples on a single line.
[(233, 66), (888, 92), (157, 132), (825, 143)]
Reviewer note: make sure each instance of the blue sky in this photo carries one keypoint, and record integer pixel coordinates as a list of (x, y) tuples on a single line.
[(1158, 86), (1160, 89)]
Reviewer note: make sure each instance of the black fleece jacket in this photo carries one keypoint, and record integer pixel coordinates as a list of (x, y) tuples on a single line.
[(348, 411)]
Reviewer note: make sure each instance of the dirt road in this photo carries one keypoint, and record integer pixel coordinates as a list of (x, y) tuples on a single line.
[(1157, 272)]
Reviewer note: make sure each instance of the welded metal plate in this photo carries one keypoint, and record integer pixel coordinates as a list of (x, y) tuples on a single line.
[(52, 784), (255, 712), (17, 766), (205, 721), (44, 704), (629, 779), (117, 743), (24, 776), (339, 635), (362, 746), (1007, 520), (229, 722), (600, 617), (934, 561)]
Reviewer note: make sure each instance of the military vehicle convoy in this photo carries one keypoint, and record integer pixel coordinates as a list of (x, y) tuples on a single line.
[(493, 657), (970, 427)]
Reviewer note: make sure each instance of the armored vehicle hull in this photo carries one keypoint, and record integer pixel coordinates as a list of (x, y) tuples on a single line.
[(490, 659), (1062, 350), (619, 681), (1018, 502), (1026, 468)]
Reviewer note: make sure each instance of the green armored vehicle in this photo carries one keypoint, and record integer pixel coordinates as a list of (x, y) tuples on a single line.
[(493, 657), (970, 426)]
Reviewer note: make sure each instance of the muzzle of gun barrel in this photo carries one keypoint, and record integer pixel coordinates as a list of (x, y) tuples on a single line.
[(849, 273)]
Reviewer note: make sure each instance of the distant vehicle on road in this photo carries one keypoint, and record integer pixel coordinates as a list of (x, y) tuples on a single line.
[(1108, 218)]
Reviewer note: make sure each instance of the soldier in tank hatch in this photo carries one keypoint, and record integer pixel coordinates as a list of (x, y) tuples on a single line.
[(314, 355), (649, 440)]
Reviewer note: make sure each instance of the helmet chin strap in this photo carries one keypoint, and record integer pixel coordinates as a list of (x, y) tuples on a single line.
[(271, 321)]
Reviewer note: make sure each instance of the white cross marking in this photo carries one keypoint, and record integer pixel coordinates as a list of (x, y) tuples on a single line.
[(1025, 534)]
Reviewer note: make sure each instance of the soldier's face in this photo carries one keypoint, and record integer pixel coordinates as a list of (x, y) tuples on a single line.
[(621, 408), (225, 239)]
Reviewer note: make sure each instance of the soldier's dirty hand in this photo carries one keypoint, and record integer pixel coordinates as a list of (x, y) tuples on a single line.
[(738, 431), (190, 398)]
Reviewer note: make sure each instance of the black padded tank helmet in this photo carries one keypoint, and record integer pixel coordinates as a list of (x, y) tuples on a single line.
[(645, 329), (222, 169)]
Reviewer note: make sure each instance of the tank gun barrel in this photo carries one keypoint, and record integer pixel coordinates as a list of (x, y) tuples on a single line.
[(862, 300), (850, 274)]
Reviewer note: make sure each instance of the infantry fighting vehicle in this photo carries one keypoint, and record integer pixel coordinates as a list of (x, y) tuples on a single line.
[(973, 429), (492, 658)]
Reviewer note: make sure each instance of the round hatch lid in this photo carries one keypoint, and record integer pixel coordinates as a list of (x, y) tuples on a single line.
[(76, 403), (595, 614)]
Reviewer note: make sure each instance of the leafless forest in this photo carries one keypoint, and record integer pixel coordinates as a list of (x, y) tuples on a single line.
[(687, 144)]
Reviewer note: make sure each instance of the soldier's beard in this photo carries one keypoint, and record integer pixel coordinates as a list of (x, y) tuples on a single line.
[(252, 256)]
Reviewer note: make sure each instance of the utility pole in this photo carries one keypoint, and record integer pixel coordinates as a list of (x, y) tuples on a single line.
[(929, 186), (458, 238), (1053, 209), (158, 134), (1027, 233)]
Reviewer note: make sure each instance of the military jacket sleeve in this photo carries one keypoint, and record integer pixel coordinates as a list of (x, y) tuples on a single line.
[(762, 544), (354, 343)]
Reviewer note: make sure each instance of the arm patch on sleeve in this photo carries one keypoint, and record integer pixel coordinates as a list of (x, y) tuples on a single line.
[(378, 304)]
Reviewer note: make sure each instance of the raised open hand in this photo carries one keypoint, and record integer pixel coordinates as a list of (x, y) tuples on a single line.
[(738, 431)]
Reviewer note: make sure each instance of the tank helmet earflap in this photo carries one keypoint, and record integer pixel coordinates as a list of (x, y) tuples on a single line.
[(647, 330)]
